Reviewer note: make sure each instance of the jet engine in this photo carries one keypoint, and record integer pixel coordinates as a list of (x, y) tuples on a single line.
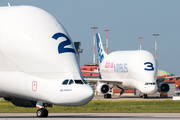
[(163, 87), (22, 102), (103, 88)]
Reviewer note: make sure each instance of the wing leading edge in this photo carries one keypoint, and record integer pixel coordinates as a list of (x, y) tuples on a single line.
[(95, 80), (169, 78)]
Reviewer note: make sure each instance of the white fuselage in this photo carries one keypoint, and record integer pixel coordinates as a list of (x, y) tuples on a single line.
[(33, 64), (135, 69)]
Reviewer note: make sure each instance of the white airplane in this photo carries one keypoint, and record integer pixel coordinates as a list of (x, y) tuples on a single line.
[(38, 62), (136, 69)]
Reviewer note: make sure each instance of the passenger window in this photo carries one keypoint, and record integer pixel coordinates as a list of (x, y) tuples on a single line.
[(65, 82), (78, 81), (71, 82)]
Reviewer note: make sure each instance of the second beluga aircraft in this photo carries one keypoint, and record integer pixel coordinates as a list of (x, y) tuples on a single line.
[(133, 69)]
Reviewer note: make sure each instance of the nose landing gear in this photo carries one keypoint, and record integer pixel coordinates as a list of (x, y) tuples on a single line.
[(141, 95), (42, 112)]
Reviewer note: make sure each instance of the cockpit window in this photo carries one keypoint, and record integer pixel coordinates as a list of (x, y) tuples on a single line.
[(71, 82), (150, 83), (65, 82), (78, 81)]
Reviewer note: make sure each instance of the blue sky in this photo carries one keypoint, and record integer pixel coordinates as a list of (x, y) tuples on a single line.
[(127, 20)]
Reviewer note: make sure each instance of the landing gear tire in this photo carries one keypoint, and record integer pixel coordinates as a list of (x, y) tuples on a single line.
[(107, 96), (45, 113), (161, 96), (145, 96), (42, 112)]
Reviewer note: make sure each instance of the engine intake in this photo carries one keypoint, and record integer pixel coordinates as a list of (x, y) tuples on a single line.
[(163, 87), (103, 88)]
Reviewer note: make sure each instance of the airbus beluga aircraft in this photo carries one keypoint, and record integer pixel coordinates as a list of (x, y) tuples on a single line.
[(38, 61), (136, 69)]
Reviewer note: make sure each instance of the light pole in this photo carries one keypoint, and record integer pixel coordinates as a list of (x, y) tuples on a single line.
[(107, 40), (94, 43), (156, 44), (140, 42)]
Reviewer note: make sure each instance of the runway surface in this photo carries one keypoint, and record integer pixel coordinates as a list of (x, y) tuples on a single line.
[(92, 116)]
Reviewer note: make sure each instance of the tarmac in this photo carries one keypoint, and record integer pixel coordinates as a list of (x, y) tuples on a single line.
[(92, 116), (100, 116)]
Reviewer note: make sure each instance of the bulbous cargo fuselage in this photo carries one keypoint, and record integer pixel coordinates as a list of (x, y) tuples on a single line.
[(36, 56), (136, 69)]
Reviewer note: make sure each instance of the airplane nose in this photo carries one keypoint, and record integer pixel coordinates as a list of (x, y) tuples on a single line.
[(87, 94), (152, 89)]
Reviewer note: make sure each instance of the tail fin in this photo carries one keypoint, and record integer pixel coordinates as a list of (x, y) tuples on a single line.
[(101, 51)]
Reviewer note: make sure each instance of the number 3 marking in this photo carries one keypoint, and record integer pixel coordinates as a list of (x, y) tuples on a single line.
[(149, 66), (61, 47)]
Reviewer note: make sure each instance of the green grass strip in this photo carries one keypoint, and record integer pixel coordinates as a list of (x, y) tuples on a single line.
[(99, 106)]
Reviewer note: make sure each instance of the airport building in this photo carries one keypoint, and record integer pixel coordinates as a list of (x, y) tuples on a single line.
[(90, 67)]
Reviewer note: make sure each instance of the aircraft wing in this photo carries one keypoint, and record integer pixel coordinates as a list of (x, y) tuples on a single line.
[(95, 80), (168, 77)]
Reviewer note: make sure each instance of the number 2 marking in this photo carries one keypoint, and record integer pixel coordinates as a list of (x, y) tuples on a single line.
[(62, 45), (149, 66)]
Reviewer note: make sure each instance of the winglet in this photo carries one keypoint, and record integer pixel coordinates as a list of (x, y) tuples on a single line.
[(101, 51)]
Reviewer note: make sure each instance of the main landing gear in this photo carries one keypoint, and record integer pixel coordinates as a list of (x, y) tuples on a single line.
[(145, 96), (122, 90), (42, 112)]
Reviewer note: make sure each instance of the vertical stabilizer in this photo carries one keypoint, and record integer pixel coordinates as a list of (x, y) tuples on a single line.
[(101, 51)]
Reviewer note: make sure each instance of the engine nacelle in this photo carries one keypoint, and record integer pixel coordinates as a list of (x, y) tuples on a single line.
[(22, 102), (163, 87), (103, 88)]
